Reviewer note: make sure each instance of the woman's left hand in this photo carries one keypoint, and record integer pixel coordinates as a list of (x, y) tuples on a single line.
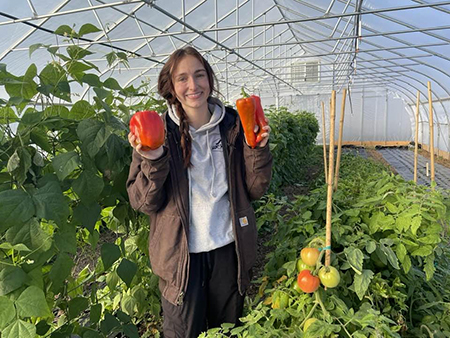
[(264, 136)]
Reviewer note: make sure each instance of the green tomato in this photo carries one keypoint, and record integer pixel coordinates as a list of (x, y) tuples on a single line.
[(302, 266), (329, 276), (296, 287)]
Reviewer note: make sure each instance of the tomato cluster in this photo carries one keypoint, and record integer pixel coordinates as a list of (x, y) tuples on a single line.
[(307, 265)]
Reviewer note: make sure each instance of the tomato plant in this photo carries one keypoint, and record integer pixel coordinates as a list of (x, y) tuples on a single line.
[(308, 323), (329, 276), (307, 282), (309, 256), (280, 300)]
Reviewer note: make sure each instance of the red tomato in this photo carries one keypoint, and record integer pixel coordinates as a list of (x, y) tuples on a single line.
[(329, 276), (307, 282), (148, 127), (309, 256)]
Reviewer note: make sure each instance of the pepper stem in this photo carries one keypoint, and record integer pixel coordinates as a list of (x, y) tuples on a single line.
[(243, 93)]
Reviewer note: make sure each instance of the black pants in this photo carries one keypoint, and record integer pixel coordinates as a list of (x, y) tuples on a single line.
[(212, 295)]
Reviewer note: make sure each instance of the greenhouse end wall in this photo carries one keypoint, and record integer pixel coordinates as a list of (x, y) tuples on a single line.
[(372, 117)]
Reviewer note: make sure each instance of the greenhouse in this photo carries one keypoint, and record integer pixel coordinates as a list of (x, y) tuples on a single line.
[(357, 97)]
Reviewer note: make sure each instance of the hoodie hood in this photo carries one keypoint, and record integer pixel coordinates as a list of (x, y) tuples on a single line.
[(216, 108)]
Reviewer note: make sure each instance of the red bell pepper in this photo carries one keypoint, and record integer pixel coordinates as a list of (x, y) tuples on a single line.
[(148, 127), (260, 118)]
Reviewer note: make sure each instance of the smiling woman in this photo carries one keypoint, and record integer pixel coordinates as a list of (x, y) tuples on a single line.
[(197, 190)]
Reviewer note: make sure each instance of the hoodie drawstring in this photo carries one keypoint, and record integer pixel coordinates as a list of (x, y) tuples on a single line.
[(212, 164)]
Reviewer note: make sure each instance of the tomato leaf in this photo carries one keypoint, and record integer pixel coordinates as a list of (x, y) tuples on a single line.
[(361, 282), (355, 258)]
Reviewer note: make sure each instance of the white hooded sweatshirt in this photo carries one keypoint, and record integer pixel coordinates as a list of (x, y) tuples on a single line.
[(210, 217)]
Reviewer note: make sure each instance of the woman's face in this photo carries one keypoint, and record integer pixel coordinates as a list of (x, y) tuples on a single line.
[(191, 84)]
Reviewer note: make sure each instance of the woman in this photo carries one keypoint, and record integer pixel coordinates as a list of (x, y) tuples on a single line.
[(197, 189)]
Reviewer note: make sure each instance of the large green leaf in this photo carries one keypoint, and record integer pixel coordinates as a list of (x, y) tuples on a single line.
[(77, 53), (390, 254), (109, 323), (39, 136), (27, 88), (95, 313), (7, 312), (60, 271), (66, 238), (64, 164), (51, 204), (16, 207), (361, 282), (32, 303), (21, 329), (7, 115), (11, 278), (93, 134), (355, 258), (126, 271), (54, 81), (77, 305), (19, 164), (109, 253), (88, 28), (88, 186), (81, 110), (87, 214)]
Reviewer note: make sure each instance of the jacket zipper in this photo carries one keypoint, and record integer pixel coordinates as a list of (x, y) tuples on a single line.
[(232, 145), (184, 277)]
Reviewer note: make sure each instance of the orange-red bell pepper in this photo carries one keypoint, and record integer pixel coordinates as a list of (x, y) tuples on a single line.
[(246, 109), (149, 128)]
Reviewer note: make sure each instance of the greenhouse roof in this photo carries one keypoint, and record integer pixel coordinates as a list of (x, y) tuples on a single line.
[(274, 46)]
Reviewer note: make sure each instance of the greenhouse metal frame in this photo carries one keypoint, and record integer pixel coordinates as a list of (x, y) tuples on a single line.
[(291, 52)]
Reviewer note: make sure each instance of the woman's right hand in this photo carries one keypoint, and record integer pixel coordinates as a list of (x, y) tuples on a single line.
[(149, 154)]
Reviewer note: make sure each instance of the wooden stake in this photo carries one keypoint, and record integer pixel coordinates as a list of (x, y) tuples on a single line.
[(430, 104), (416, 137), (330, 179), (339, 148), (324, 141)]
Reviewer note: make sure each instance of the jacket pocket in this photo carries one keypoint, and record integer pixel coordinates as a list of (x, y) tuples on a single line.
[(247, 237), (165, 248)]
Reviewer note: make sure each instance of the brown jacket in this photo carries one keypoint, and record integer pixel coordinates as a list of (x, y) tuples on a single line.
[(160, 189)]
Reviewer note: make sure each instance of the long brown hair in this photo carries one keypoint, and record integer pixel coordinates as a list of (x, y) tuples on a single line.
[(167, 91)]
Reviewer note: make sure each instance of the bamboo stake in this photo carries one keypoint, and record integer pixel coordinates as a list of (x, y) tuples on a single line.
[(324, 141), (416, 138), (330, 179), (430, 104), (339, 149)]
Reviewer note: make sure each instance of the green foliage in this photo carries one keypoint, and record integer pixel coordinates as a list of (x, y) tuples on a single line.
[(292, 140), (63, 169), (390, 243)]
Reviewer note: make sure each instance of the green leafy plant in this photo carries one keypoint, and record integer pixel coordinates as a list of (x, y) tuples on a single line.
[(63, 168)]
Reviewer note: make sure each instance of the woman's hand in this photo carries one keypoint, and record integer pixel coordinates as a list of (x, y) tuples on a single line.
[(264, 136), (150, 154)]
